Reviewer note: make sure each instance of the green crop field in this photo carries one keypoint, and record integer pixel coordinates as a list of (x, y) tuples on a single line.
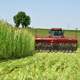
[(42, 66), (19, 43)]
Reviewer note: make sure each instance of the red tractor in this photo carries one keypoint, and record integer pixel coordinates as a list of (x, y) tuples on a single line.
[(55, 41)]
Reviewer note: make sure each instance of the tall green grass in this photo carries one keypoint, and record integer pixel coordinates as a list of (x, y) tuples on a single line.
[(15, 42)]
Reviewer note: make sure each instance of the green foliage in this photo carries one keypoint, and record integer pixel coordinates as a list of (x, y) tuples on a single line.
[(15, 42), (21, 18)]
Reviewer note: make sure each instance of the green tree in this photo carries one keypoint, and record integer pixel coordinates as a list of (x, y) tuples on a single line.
[(21, 18)]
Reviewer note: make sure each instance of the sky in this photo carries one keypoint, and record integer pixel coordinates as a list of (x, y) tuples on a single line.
[(44, 13)]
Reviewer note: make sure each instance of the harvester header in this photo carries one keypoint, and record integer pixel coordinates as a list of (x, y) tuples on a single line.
[(56, 41)]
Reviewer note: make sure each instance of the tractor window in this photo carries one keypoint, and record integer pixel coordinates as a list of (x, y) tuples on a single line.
[(56, 33)]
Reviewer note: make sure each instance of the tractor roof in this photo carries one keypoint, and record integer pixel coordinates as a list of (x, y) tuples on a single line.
[(56, 29)]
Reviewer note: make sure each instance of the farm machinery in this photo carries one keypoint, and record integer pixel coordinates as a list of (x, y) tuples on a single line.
[(56, 41)]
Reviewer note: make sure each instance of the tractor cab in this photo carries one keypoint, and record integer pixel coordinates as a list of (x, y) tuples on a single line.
[(56, 32)]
